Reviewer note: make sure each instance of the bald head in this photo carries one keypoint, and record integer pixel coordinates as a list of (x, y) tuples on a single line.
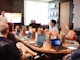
[(3, 27)]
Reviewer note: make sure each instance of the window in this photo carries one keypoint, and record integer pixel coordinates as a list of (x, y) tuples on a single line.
[(34, 10)]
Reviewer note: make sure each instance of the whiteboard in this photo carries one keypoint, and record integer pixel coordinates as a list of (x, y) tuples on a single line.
[(14, 17)]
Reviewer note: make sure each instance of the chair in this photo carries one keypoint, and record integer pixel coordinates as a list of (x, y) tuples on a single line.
[(7, 53)]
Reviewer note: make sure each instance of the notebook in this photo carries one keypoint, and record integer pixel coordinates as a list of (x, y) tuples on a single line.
[(57, 44)]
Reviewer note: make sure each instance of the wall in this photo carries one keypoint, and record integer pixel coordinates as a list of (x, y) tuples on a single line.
[(12, 5), (6, 5), (71, 15), (76, 11), (64, 15), (16, 6)]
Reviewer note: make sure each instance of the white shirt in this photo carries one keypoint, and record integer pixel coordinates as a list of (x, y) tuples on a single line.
[(54, 29), (3, 18)]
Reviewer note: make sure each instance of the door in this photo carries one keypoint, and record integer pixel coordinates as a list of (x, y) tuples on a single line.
[(64, 15)]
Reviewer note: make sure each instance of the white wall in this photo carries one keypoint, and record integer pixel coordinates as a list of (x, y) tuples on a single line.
[(76, 11)]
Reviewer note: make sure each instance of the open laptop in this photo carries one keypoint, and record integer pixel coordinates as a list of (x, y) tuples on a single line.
[(57, 44), (29, 35), (40, 40)]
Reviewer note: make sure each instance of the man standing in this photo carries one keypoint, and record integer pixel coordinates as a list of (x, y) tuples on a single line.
[(3, 17)]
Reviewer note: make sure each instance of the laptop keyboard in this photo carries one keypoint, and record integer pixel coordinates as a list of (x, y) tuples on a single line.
[(36, 45)]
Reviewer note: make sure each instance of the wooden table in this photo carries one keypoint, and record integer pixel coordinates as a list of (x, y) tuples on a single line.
[(52, 53), (47, 48)]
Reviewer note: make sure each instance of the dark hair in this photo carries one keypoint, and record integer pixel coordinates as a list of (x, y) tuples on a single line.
[(53, 21), (70, 26), (10, 26)]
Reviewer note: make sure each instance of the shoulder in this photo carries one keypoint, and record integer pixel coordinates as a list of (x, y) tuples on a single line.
[(55, 27), (10, 33), (2, 43), (4, 40), (71, 35), (71, 32), (12, 37), (76, 55)]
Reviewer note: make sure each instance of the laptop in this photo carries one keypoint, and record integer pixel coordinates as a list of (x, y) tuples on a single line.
[(29, 35), (57, 44), (40, 40)]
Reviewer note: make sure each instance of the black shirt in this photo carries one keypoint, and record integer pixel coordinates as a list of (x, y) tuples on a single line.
[(10, 51), (12, 37)]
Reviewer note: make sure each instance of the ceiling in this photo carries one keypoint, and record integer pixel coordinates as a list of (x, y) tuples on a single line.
[(43, 0)]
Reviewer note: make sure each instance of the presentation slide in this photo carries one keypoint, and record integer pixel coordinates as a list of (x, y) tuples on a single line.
[(13, 17)]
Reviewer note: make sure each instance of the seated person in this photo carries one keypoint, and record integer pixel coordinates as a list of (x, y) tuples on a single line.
[(17, 30), (71, 35), (52, 26), (19, 42), (17, 27), (34, 24), (46, 45), (74, 55), (40, 30), (22, 32), (12, 52)]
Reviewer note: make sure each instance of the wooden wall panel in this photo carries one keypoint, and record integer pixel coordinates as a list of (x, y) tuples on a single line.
[(64, 15)]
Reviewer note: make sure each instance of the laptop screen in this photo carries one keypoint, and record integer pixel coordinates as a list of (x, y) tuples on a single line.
[(29, 35), (40, 39), (55, 42)]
